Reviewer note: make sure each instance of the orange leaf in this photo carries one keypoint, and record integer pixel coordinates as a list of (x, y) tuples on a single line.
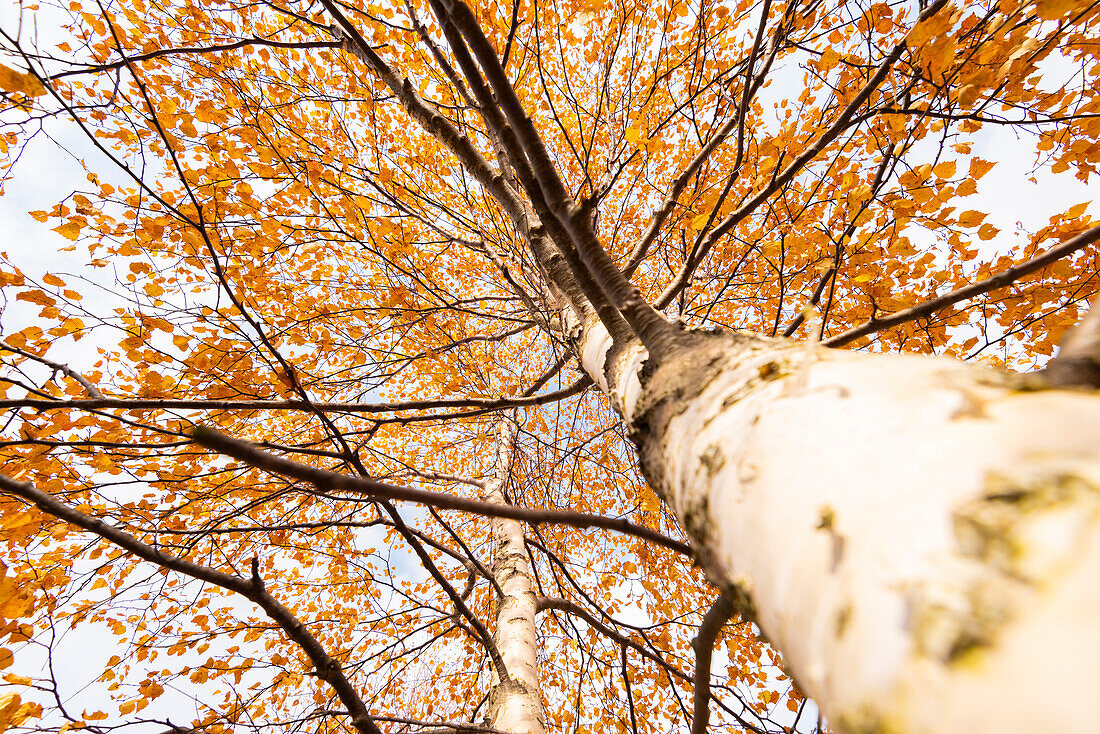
[(69, 231), (14, 81), (1074, 212), (979, 168), (36, 297), (1056, 9), (971, 218), (945, 169)]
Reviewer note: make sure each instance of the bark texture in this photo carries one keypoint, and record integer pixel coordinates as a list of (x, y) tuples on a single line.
[(514, 705), (920, 538)]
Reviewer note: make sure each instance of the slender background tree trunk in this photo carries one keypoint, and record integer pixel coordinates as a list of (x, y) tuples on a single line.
[(514, 705)]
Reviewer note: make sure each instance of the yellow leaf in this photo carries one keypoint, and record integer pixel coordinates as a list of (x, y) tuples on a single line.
[(969, 93), (51, 279), (9, 704), (193, 238), (1076, 211), (896, 127), (187, 127), (39, 215), (1056, 9), (945, 169), (971, 218), (700, 221), (69, 231), (987, 232), (979, 168), (14, 81), (16, 607), (921, 33), (862, 277), (206, 112), (37, 297)]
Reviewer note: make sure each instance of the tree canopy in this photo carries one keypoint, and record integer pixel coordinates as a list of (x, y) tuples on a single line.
[(325, 244)]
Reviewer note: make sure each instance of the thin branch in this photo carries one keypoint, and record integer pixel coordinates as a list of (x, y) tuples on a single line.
[(781, 179), (480, 631), (328, 669), (838, 244), (58, 367), (662, 212), (103, 403), (1000, 280), (569, 607), (328, 480), (127, 60)]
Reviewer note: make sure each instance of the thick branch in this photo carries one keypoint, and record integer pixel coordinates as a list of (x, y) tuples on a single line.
[(653, 330), (703, 644)]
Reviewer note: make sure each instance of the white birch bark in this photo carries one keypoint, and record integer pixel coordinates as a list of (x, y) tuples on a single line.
[(514, 706), (920, 538)]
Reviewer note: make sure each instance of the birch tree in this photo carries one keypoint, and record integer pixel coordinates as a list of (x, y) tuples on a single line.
[(332, 247), (514, 704)]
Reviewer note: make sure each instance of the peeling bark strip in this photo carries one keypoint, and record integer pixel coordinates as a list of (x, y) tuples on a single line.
[(919, 537), (514, 705)]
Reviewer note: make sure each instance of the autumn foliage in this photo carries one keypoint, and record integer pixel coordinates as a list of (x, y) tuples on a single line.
[(278, 248)]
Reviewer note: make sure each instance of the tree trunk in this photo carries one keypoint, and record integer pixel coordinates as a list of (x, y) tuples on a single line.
[(514, 705), (920, 538)]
